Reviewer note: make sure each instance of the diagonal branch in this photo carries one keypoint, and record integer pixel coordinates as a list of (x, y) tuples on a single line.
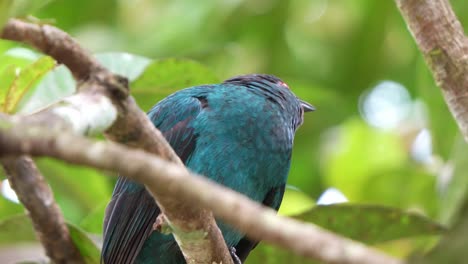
[(441, 39), (131, 126), (54, 43), (37, 197), (167, 179)]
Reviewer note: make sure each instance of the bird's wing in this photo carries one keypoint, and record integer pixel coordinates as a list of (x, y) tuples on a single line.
[(272, 199), (128, 222), (132, 211)]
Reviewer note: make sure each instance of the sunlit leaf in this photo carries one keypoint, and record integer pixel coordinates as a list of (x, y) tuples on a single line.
[(403, 248), (55, 85), (125, 64), (59, 83), (27, 7), (371, 223), (164, 77), (295, 202), (7, 77), (12, 62), (25, 80), (5, 11), (19, 57)]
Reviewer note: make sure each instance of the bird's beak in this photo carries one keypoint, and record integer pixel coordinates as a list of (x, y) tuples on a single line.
[(307, 107)]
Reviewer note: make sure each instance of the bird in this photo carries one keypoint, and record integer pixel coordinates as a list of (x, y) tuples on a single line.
[(238, 133)]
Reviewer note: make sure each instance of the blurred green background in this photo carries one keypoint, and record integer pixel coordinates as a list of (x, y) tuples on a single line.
[(381, 134)]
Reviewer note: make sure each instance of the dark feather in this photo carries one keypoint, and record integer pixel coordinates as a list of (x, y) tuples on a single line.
[(132, 211), (273, 199), (129, 220)]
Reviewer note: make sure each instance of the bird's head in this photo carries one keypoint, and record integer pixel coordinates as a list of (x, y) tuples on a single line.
[(278, 92), (265, 81)]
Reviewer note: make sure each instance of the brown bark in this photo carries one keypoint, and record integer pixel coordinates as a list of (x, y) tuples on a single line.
[(55, 43), (38, 199), (441, 39)]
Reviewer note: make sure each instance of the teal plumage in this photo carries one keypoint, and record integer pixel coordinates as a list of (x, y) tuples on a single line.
[(238, 133)]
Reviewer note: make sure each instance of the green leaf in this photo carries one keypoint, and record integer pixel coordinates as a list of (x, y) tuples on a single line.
[(19, 57), (5, 11), (373, 166), (27, 7), (55, 85), (125, 64), (59, 83), (18, 229), (7, 207), (361, 153), (371, 223), (78, 189), (295, 202), (85, 245), (164, 77), (7, 77), (12, 62), (93, 222), (453, 194), (452, 246), (24, 81), (270, 254)]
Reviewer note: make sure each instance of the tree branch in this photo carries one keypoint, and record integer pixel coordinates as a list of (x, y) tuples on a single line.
[(37, 197), (441, 39), (167, 179), (131, 127), (55, 43)]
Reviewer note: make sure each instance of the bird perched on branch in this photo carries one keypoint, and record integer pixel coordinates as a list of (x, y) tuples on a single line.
[(238, 133)]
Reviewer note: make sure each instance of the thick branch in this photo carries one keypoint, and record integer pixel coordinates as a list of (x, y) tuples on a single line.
[(38, 199), (168, 179), (440, 38), (131, 127), (55, 43)]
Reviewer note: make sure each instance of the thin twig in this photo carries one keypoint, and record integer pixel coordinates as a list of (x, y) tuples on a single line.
[(166, 179)]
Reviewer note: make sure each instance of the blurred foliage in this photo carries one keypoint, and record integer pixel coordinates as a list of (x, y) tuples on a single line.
[(15, 81), (18, 229), (163, 77), (370, 223), (333, 54)]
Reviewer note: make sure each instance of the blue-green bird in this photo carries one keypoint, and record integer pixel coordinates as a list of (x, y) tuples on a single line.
[(238, 133)]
